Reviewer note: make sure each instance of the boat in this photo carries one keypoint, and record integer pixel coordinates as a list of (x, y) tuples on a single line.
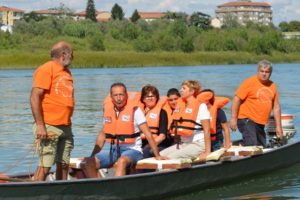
[(167, 183)]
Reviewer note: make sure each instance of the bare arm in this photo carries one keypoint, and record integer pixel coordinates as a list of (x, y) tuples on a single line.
[(207, 142), (99, 143), (161, 137), (236, 102), (145, 129), (277, 116), (226, 135), (36, 108)]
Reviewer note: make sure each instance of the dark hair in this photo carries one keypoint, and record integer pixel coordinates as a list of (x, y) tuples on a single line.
[(173, 91), (212, 100), (118, 84), (147, 89)]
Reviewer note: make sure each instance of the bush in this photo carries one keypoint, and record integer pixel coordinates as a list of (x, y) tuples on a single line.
[(143, 44), (96, 42)]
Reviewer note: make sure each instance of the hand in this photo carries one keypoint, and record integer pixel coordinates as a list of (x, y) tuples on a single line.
[(233, 124), (41, 132), (161, 157), (279, 133), (202, 157)]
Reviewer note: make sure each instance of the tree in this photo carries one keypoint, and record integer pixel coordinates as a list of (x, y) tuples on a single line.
[(117, 12), (200, 20), (135, 16), (91, 11), (284, 26), (230, 21), (32, 16)]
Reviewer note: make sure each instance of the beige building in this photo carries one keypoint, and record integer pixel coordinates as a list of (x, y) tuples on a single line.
[(150, 16), (101, 16), (245, 11), (8, 16)]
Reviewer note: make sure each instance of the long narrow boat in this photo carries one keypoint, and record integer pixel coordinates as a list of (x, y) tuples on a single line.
[(167, 183)]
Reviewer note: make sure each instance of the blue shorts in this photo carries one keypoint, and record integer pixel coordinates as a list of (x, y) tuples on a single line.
[(104, 156)]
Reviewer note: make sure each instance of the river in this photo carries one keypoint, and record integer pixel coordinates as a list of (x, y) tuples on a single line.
[(91, 87)]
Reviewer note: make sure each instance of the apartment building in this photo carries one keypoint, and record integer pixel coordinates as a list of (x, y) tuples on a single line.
[(8, 16), (244, 11)]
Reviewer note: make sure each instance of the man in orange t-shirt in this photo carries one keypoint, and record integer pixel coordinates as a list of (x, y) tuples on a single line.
[(52, 105), (252, 104)]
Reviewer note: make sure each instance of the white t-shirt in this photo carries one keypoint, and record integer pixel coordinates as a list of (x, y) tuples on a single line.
[(198, 136), (139, 118)]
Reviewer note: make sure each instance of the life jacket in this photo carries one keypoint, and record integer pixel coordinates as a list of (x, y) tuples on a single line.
[(184, 118), (153, 117), (219, 102), (120, 129)]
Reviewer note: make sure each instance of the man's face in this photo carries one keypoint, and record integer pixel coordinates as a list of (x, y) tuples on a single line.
[(119, 97), (264, 74), (68, 57)]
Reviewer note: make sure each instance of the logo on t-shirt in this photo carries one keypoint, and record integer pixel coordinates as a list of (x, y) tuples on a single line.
[(64, 86), (125, 118), (265, 95)]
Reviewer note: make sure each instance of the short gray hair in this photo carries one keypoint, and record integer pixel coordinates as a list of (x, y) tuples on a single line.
[(265, 64)]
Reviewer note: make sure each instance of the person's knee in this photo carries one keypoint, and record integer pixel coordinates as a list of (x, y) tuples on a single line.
[(90, 163), (123, 162)]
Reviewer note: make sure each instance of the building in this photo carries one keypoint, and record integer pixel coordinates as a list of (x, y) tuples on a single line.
[(49, 12), (8, 16), (291, 35), (150, 16), (245, 11), (216, 23), (101, 16)]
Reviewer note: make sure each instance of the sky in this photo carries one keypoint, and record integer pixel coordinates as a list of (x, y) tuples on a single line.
[(283, 10)]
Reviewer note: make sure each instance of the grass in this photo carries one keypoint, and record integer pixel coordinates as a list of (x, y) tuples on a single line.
[(18, 59)]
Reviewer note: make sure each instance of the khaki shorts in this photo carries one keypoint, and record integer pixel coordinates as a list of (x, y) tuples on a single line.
[(58, 148)]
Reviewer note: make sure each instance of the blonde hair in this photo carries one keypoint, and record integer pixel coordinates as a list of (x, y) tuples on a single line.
[(192, 84)]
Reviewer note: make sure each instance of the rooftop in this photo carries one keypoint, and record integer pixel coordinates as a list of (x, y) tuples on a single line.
[(4, 8), (244, 3)]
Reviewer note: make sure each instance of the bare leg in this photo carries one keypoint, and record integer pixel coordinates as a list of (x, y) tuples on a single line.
[(41, 173), (62, 170), (90, 167), (121, 165)]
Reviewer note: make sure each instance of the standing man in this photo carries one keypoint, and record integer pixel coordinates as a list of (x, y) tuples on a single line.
[(52, 105), (252, 105), (123, 124)]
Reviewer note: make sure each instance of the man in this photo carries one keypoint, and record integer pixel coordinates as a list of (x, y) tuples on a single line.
[(52, 105), (252, 105), (191, 123), (123, 123)]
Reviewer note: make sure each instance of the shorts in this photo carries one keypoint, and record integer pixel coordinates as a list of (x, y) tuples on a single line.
[(58, 148), (104, 156), (253, 133)]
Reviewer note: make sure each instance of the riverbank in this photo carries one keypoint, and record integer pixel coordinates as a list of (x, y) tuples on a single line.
[(93, 59)]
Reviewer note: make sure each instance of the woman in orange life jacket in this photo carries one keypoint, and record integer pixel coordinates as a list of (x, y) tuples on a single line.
[(157, 119), (173, 97), (218, 123), (191, 122)]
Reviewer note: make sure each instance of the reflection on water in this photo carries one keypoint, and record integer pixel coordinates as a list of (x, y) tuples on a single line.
[(91, 87)]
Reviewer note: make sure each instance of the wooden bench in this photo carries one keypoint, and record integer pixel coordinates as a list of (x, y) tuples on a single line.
[(152, 163)]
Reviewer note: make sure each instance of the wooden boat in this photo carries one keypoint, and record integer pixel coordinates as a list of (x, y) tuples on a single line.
[(167, 183)]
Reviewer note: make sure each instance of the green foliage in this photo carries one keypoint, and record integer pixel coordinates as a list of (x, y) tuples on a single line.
[(144, 45), (96, 42), (91, 11), (187, 45), (200, 20), (32, 16), (178, 29), (117, 12), (135, 16), (81, 29)]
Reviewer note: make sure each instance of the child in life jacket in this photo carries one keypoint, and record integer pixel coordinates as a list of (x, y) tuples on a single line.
[(220, 135)]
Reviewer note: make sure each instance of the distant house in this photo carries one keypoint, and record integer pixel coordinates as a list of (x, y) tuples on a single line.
[(150, 16), (101, 16), (216, 23), (8, 16), (50, 12), (245, 11), (291, 35)]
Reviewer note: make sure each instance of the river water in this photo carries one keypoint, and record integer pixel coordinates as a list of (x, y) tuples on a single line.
[(91, 87)]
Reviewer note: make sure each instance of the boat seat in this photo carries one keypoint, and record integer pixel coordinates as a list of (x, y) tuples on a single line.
[(159, 165), (244, 151), (75, 167)]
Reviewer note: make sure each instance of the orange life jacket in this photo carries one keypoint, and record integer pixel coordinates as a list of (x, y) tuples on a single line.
[(120, 129), (184, 118), (219, 102), (153, 117)]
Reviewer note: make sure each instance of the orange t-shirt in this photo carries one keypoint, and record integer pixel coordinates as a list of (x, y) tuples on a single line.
[(58, 101), (257, 100)]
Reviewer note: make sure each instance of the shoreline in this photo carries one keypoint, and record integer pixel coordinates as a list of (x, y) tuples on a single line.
[(92, 59)]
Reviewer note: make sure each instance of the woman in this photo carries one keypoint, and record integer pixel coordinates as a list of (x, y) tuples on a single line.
[(157, 119)]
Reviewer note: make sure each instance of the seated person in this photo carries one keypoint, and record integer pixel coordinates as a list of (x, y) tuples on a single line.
[(218, 122), (123, 123), (191, 123), (157, 120)]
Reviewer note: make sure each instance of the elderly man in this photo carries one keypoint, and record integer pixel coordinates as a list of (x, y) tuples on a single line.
[(252, 105), (123, 123), (52, 104)]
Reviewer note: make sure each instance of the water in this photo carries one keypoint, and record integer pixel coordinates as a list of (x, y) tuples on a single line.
[(91, 87)]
